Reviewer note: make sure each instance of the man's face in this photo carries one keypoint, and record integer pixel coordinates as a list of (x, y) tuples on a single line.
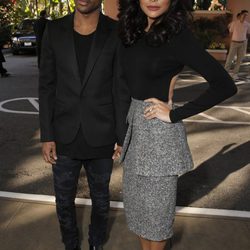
[(87, 6), (244, 16)]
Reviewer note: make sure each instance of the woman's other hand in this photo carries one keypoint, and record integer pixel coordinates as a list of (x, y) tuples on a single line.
[(157, 109)]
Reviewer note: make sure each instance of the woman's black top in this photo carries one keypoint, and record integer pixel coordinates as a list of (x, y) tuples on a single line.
[(146, 72), (79, 148)]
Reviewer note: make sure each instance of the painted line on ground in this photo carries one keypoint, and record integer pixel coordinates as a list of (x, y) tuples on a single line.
[(230, 107), (191, 211), (242, 82), (34, 102), (219, 122), (242, 111), (209, 117)]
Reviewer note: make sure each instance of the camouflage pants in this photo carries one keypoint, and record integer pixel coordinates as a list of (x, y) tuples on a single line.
[(66, 173)]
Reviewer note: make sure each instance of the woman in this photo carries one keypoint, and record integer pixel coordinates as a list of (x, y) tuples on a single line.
[(156, 44)]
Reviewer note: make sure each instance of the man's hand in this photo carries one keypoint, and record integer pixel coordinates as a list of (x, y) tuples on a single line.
[(117, 153), (49, 152)]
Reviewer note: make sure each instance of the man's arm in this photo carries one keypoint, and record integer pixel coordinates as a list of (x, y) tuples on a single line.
[(231, 27), (122, 100), (47, 95)]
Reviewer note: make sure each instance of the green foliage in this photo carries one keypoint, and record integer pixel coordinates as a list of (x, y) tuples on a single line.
[(12, 12), (217, 45), (6, 10), (210, 31)]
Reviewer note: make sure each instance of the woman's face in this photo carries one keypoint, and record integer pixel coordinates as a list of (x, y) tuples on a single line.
[(154, 8)]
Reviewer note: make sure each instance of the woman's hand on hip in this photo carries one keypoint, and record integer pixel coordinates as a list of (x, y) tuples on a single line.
[(157, 109)]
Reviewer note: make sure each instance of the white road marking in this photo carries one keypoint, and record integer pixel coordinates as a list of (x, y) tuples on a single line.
[(220, 122), (209, 117), (191, 211), (229, 107), (32, 100), (240, 83), (243, 111)]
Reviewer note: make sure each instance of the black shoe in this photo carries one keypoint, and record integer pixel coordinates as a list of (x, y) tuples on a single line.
[(77, 248), (96, 247), (5, 75), (169, 244)]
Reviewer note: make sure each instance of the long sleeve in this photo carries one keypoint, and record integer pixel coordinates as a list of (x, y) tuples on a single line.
[(188, 51), (122, 98), (47, 88), (231, 27)]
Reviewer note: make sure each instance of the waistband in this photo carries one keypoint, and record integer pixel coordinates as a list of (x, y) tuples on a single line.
[(137, 100), (139, 103), (239, 41), (135, 103)]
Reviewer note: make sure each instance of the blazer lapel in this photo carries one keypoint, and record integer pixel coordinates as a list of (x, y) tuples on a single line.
[(99, 40)]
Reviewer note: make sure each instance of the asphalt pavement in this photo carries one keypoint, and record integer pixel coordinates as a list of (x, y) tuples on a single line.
[(34, 226), (219, 140)]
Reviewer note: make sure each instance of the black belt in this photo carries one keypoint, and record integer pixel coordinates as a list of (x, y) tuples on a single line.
[(239, 41)]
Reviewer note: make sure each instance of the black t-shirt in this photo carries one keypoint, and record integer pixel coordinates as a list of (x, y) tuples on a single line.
[(79, 148), (82, 48)]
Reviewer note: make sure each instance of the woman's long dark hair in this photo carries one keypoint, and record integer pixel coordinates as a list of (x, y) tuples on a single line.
[(133, 22)]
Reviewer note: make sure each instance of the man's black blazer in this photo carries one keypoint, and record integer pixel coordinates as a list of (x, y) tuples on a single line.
[(39, 27), (65, 102)]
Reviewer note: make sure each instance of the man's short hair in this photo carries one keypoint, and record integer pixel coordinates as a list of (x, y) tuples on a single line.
[(244, 11), (43, 13), (239, 14)]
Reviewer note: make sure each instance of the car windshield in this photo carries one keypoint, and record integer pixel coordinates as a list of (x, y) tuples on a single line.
[(26, 25)]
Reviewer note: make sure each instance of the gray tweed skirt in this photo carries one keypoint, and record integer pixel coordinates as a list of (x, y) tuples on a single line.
[(154, 154)]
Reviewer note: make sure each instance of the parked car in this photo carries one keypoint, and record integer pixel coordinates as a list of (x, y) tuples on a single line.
[(24, 39)]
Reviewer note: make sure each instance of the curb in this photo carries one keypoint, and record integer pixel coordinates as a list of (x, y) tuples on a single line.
[(180, 211)]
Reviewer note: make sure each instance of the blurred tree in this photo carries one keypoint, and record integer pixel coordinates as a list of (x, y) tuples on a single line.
[(32, 8), (6, 10), (212, 30), (12, 12)]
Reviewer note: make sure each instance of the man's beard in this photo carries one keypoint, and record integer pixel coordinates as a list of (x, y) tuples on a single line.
[(88, 9)]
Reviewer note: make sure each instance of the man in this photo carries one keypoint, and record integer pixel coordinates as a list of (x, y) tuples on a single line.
[(239, 30), (77, 114), (216, 5), (205, 4), (3, 71), (39, 27)]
